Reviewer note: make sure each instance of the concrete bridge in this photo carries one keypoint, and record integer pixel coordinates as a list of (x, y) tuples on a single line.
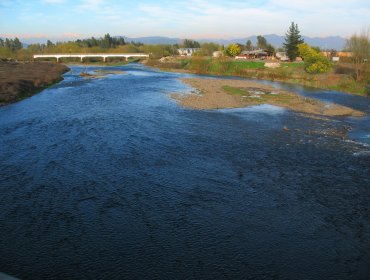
[(84, 55)]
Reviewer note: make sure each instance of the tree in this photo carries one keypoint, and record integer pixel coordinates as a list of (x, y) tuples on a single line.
[(314, 61), (359, 46), (17, 45), (249, 45), (261, 42), (106, 42), (292, 40), (233, 49), (208, 48), (191, 44), (333, 53), (7, 44), (270, 49), (49, 44)]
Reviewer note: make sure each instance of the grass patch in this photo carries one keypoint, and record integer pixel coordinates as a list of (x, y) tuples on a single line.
[(237, 64), (234, 90), (262, 98), (352, 87), (292, 65)]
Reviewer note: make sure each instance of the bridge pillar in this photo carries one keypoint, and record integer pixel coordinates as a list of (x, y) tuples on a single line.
[(57, 57), (104, 58), (82, 58)]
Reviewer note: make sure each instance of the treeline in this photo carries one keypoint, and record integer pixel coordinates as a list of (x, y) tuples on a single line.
[(11, 44), (13, 48)]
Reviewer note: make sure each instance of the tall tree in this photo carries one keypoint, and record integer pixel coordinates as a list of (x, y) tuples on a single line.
[(359, 46), (106, 42), (7, 43), (249, 45), (292, 40), (49, 44), (191, 44), (261, 42), (270, 49)]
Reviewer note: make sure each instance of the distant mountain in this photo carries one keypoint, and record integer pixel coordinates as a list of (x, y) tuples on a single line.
[(331, 42), (154, 40)]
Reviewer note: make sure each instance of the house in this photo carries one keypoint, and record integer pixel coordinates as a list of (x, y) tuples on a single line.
[(242, 56), (187, 51), (255, 54), (337, 56)]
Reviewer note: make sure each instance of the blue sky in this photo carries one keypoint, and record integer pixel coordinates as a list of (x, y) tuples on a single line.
[(58, 19)]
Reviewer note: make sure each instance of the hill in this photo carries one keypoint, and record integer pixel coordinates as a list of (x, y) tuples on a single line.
[(330, 42)]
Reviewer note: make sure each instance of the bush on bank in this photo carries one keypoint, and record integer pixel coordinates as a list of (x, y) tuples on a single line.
[(314, 61)]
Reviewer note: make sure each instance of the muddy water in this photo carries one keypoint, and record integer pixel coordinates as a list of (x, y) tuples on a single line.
[(110, 179)]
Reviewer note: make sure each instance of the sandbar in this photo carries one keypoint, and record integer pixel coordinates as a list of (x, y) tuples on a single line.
[(210, 93)]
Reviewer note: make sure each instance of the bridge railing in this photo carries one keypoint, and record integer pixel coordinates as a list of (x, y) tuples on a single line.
[(84, 55)]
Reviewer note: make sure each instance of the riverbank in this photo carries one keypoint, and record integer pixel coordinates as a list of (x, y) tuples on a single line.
[(19, 80), (340, 78), (225, 93)]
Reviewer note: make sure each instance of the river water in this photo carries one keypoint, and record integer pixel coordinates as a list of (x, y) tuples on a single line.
[(111, 179)]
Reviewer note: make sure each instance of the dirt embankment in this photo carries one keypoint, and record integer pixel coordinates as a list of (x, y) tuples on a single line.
[(224, 93), (19, 80)]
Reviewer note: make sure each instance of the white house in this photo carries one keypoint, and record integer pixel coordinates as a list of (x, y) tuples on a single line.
[(187, 51)]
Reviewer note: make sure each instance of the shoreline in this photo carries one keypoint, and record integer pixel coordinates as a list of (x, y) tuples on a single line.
[(327, 81), (224, 93), (19, 80)]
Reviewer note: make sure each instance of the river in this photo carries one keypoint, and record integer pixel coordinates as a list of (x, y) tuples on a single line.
[(111, 179)]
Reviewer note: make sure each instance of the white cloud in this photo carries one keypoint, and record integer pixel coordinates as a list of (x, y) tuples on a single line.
[(54, 1), (101, 9), (244, 18), (187, 18), (93, 5)]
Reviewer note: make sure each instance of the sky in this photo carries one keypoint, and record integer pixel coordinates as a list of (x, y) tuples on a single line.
[(195, 19)]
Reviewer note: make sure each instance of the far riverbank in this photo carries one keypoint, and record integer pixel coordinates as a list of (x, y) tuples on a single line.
[(339, 79)]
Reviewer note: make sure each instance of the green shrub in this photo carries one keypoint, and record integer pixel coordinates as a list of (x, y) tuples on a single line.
[(317, 64), (314, 61)]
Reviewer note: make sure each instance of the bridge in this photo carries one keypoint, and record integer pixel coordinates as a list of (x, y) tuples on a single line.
[(84, 55)]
